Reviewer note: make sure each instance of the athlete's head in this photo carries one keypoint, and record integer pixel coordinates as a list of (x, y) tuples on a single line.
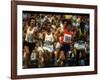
[(32, 22), (69, 26), (48, 28)]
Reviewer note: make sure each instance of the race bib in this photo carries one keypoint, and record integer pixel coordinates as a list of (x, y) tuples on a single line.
[(47, 43), (67, 37)]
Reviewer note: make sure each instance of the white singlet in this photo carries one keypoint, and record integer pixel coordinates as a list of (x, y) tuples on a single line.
[(29, 35), (48, 44)]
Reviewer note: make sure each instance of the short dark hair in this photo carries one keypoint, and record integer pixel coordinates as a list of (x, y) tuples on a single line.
[(31, 19)]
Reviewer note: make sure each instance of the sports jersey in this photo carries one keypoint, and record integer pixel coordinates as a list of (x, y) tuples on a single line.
[(29, 35), (48, 42), (67, 37)]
